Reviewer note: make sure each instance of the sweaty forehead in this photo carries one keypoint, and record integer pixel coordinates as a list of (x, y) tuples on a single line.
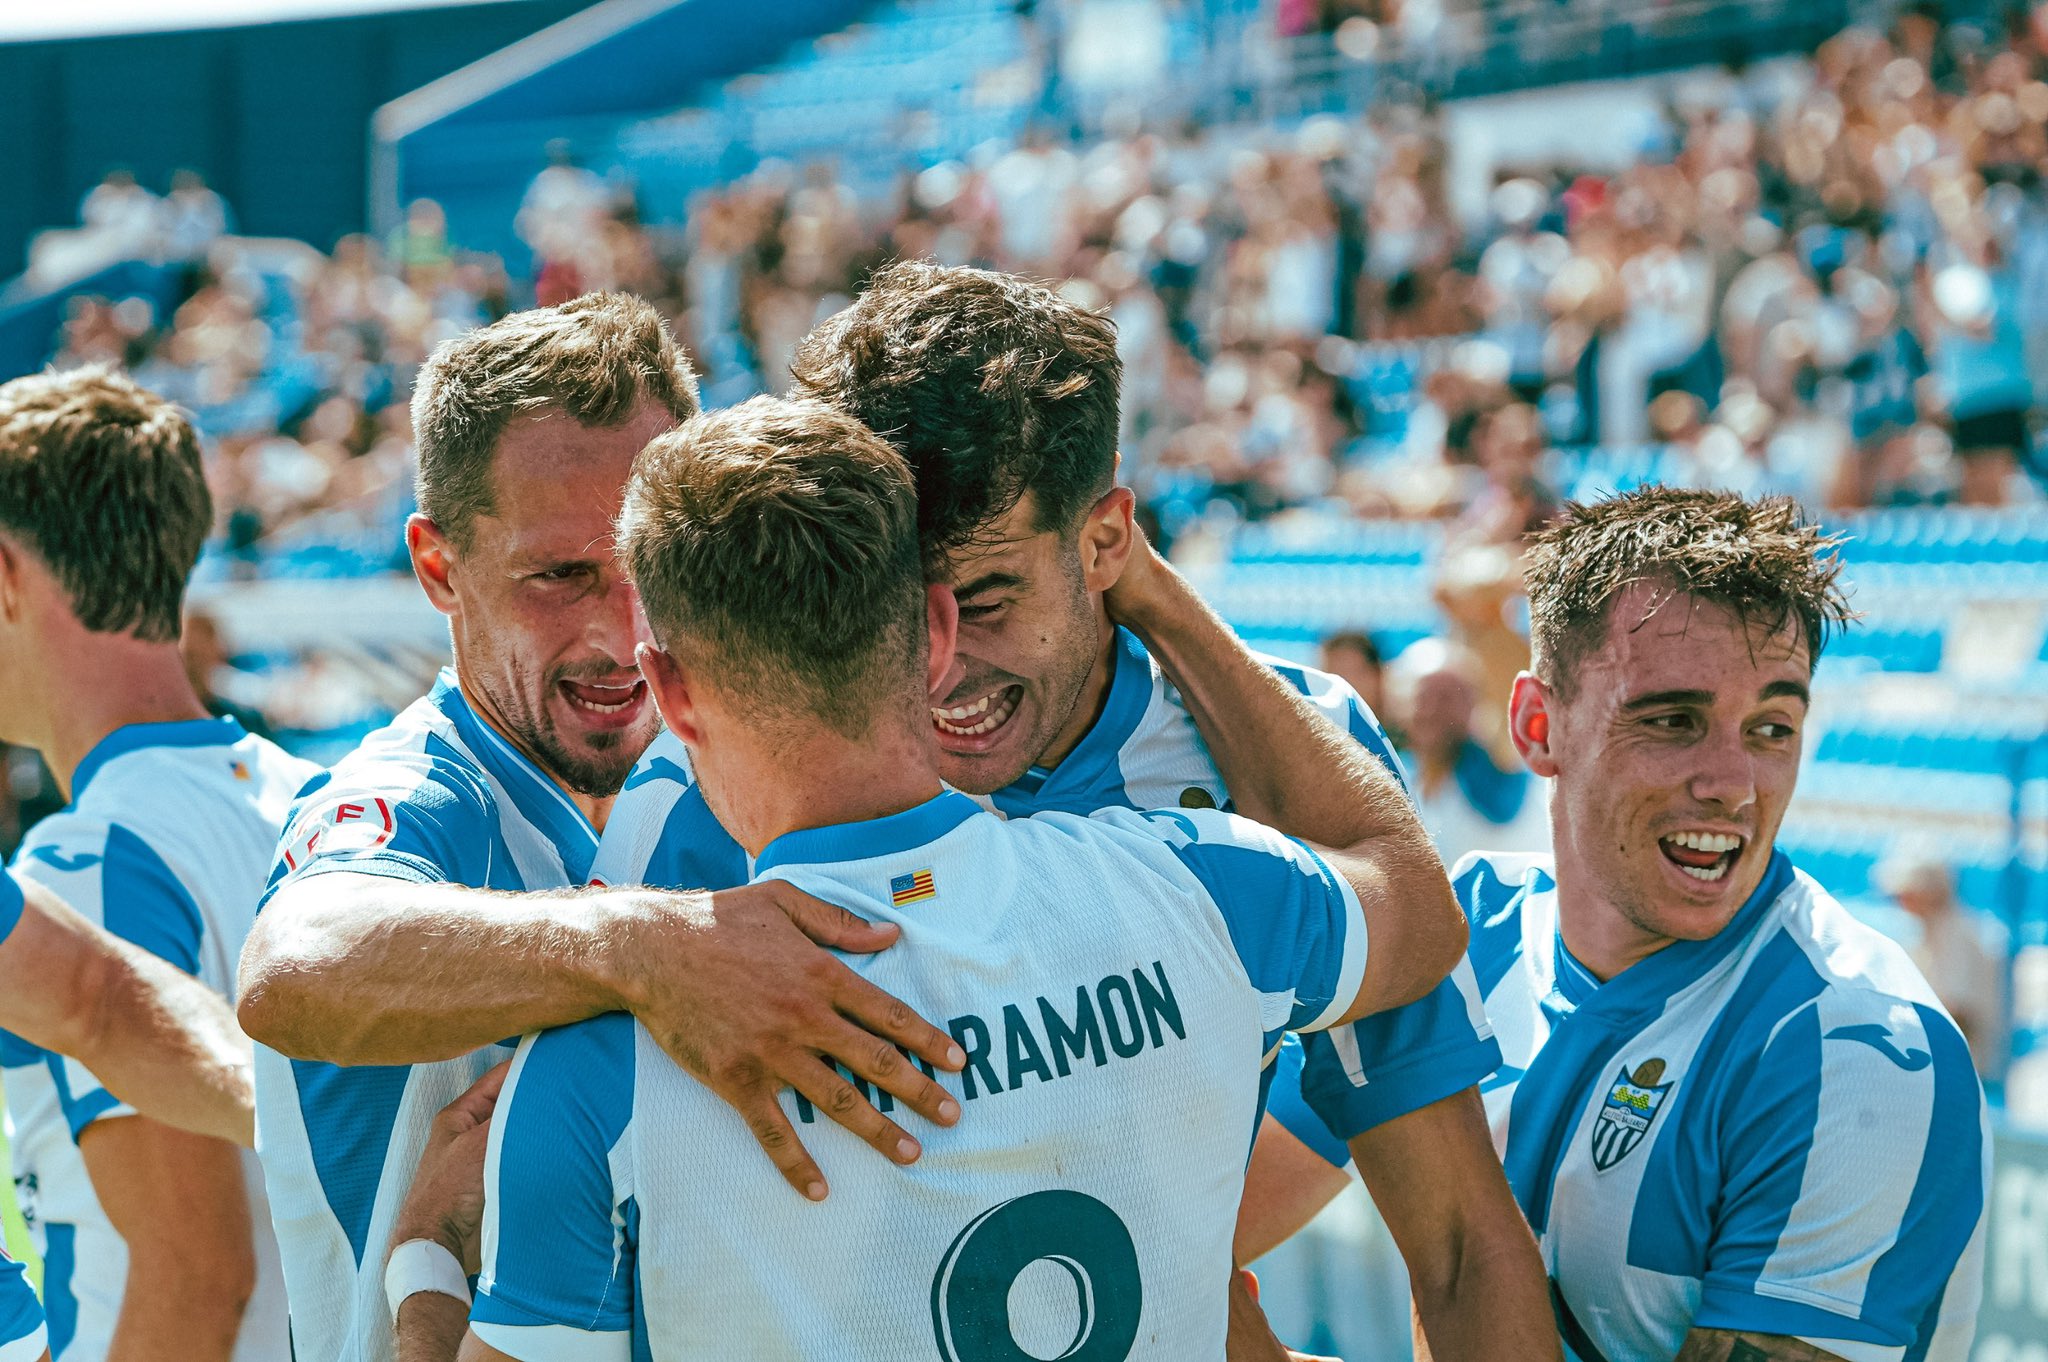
[(1011, 547), (1656, 640), (556, 485)]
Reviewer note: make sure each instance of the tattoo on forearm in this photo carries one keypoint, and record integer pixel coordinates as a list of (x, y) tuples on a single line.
[(1746, 1352)]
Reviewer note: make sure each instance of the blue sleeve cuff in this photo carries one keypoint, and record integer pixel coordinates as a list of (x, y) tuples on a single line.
[(1724, 1305), (79, 1115), (398, 865), (553, 1342), (1285, 1104), (1350, 1110), (492, 1308), (12, 902), (81, 1109)]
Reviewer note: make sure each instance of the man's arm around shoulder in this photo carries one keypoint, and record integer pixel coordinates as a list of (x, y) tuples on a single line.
[(156, 1037), (1289, 767), (354, 968)]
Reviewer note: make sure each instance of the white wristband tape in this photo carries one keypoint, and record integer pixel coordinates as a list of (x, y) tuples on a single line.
[(422, 1265)]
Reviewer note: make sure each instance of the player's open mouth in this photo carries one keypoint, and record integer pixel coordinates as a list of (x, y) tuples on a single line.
[(979, 717), (1706, 856), (605, 702)]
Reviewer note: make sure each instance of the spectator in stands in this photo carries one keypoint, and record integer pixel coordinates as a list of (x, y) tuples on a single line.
[(1478, 589), (419, 246), (1468, 800), (1962, 952), (194, 217), (124, 214), (1980, 365), (563, 210), (1352, 655), (1514, 275), (209, 669), (1513, 501)]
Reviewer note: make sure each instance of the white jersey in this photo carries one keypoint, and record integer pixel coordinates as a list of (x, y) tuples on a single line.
[(165, 843), (23, 1337), (1088, 1196), (435, 796), (1776, 1130), (1143, 752)]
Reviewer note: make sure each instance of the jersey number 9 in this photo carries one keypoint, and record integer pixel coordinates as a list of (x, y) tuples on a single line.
[(1076, 1233)]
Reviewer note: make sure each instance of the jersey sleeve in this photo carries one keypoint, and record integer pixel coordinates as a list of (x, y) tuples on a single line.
[(1380, 1067), (560, 1221), (416, 818), (1392, 1063), (1334, 697), (1854, 1177), (1286, 1104), (12, 904), (1295, 924), (115, 879), (662, 832), (23, 1336)]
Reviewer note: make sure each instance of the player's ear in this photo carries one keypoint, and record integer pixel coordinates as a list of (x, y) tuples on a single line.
[(13, 600), (1529, 720), (433, 561), (1107, 535), (943, 670), (670, 689)]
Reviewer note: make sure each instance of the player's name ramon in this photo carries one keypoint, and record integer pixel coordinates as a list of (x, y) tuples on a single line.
[(1118, 1017)]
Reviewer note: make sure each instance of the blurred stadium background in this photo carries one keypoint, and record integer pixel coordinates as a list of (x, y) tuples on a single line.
[(1392, 278)]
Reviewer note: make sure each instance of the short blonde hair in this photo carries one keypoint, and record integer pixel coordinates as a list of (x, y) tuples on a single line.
[(776, 542)]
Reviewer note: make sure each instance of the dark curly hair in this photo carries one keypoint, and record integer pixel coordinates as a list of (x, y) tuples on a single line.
[(1762, 559), (990, 385)]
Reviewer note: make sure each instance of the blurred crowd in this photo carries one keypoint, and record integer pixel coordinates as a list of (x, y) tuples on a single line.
[(298, 366), (1828, 282)]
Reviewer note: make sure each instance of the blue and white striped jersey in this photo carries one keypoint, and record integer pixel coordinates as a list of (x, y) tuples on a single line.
[(1144, 752), (1087, 1200), (22, 1335), (1777, 1129), (165, 843), (436, 796)]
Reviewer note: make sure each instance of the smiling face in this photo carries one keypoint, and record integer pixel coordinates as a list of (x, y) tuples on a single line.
[(1675, 757), (545, 623), (1033, 643)]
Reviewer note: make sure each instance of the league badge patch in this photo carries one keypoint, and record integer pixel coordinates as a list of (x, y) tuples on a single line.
[(1626, 1114), (355, 823)]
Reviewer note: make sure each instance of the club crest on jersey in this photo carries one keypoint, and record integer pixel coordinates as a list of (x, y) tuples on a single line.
[(354, 824), (1625, 1116), (915, 887)]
